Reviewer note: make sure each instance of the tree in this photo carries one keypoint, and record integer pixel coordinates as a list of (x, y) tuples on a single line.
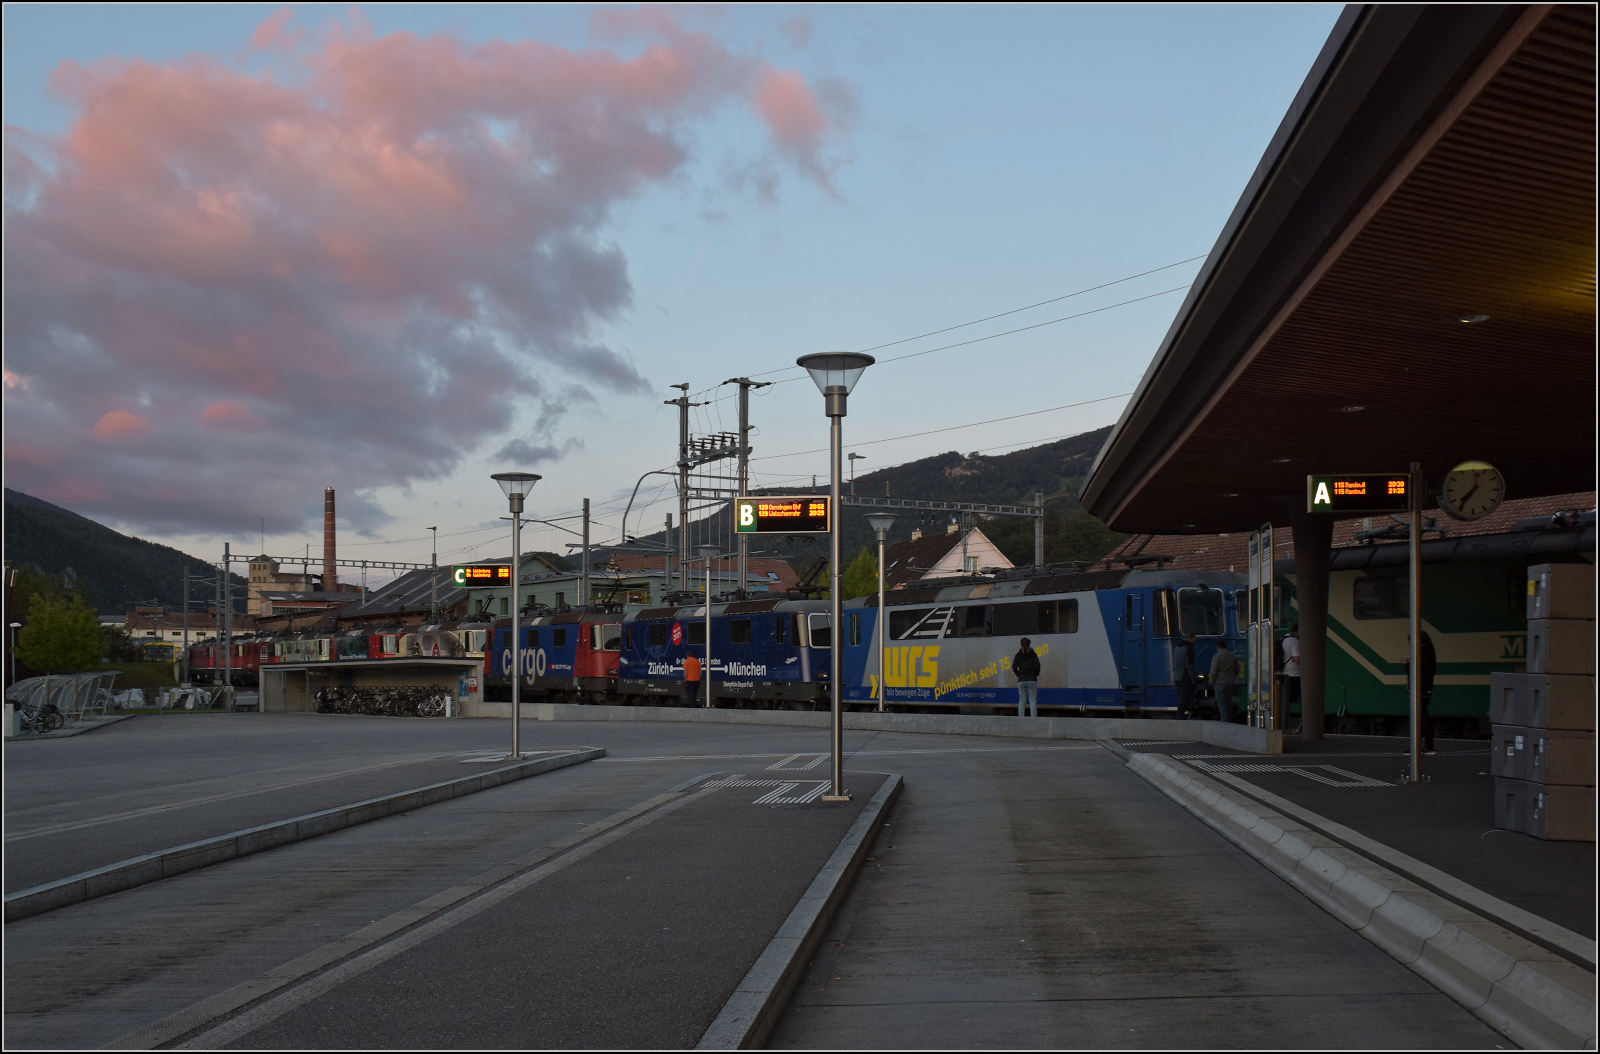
[(861, 575), (62, 636), (117, 645)]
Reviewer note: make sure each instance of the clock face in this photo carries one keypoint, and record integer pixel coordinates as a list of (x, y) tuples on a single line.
[(1471, 490)]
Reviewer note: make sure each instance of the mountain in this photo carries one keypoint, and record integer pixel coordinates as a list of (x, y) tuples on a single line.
[(114, 571), (1057, 469)]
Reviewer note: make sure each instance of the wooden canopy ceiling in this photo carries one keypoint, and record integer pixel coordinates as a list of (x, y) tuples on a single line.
[(1327, 333)]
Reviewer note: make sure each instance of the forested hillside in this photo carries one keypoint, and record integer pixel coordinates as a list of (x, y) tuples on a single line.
[(1057, 469), (113, 571)]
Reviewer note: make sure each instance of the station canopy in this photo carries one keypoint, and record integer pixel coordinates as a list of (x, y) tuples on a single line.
[(1409, 276)]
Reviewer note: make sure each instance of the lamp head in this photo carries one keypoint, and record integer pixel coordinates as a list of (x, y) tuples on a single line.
[(835, 372), (882, 521), (708, 552), (517, 486)]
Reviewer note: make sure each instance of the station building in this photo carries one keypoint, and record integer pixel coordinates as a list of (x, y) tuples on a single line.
[(1408, 277)]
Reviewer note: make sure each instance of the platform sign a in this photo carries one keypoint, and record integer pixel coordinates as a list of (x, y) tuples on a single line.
[(481, 574), (1359, 492), (802, 514)]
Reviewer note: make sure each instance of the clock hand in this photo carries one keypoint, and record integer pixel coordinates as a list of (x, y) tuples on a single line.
[(1474, 487)]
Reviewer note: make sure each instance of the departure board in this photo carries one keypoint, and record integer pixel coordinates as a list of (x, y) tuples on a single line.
[(1359, 492), (805, 514), (481, 574)]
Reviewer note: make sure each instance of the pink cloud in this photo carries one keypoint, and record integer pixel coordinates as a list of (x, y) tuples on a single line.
[(274, 34), (120, 424), (230, 413), (385, 248)]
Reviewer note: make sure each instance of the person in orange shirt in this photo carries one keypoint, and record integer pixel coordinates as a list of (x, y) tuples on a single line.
[(691, 680)]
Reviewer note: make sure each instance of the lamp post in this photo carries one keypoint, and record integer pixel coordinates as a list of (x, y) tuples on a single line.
[(708, 553), (517, 486), (14, 627), (881, 522), (835, 374), (854, 457)]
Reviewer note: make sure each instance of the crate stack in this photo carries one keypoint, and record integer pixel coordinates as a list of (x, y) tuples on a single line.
[(1543, 720)]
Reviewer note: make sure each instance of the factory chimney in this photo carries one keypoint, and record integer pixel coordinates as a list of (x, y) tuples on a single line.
[(330, 576)]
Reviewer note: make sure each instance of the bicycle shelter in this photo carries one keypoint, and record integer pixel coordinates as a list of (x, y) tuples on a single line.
[(293, 687)]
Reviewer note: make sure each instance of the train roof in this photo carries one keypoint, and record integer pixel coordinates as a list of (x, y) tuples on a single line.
[(1052, 582)]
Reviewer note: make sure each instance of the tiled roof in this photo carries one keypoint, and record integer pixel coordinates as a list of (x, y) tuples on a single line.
[(908, 561), (1230, 552)]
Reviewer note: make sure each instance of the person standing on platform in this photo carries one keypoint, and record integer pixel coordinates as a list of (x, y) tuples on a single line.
[(1185, 675), (1430, 666), (1291, 673), (1025, 666), (1224, 667), (691, 679)]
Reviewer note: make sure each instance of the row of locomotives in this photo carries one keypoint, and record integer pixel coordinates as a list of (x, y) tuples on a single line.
[(1108, 642), (444, 639)]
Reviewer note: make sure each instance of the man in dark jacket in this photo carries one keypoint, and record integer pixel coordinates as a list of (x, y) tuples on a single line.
[(1185, 674), (1025, 667)]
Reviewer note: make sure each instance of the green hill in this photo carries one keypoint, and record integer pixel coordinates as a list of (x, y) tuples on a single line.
[(1057, 469), (114, 571)]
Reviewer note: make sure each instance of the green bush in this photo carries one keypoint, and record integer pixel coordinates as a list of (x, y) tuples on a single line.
[(62, 636)]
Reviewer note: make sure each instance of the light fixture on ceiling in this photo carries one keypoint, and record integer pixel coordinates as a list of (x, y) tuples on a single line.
[(1281, 460), (1351, 409), (1230, 495), (1473, 318)]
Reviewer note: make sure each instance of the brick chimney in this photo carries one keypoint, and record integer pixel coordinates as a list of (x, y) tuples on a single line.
[(330, 576)]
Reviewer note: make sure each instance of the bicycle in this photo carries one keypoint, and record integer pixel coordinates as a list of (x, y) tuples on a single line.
[(40, 719)]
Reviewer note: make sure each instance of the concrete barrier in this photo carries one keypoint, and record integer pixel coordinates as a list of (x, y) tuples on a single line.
[(748, 1017), (152, 867), (1216, 733), (1531, 995)]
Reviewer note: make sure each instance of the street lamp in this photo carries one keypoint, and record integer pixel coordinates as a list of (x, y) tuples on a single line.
[(854, 457), (835, 373), (14, 627), (707, 553), (517, 486), (881, 522)]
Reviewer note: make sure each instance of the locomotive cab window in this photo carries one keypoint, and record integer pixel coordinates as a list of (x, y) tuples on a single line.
[(779, 626), (627, 635), (1164, 614), (739, 631), (1379, 597), (855, 628), (820, 632), (558, 637), (658, 634), (1201, 612), (975, 621)]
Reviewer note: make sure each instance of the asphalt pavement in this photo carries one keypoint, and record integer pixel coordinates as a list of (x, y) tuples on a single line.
[(1025, 894), (1447, 822)]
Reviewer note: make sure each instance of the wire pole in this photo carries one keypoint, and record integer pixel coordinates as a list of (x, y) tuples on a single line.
[(682, 403), (185, 625), (433, 578), (1038, 529), (227, 617), (583, 583)]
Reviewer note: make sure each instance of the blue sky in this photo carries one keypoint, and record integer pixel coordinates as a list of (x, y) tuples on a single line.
[(986, 158)]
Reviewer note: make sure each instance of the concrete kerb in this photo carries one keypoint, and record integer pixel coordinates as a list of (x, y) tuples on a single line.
[(1215, 733), (152, 867), (750, 1014), (1527, 993)]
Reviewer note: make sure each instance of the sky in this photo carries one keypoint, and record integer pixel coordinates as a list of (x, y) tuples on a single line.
[(256, 251)]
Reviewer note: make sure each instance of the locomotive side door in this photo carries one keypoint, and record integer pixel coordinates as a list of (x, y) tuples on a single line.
[(1131, 650)]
